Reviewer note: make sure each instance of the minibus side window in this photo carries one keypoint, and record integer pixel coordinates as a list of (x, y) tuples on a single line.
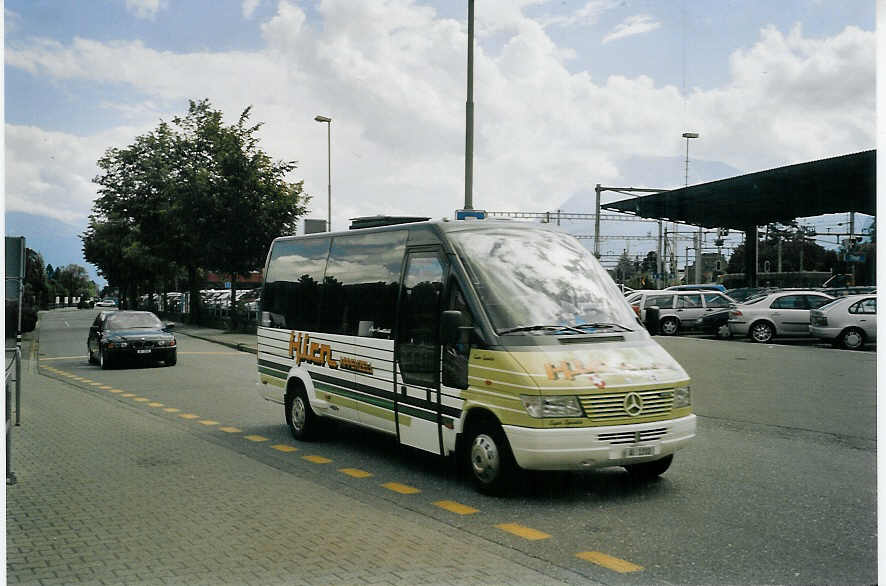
[(418, 344), (292, 289), (361, 284)]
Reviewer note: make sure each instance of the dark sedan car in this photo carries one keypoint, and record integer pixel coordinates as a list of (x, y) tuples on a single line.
[(118, 335), (716, 324)]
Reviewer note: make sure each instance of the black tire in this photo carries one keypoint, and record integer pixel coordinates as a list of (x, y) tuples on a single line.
[(302, 421), (92, 359), (852, 338), (761, 332), (488, 457), (650, 470), (171, 358), (669, 326), (724, 333), (104, 359)]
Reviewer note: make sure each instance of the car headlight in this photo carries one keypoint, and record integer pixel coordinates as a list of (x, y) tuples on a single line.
[(556, 406), (117, 344), (682, 397), (166, 342)]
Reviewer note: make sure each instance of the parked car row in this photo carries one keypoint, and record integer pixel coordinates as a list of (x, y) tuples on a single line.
[(763, 314)]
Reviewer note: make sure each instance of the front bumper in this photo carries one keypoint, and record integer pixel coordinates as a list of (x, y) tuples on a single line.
[(595, 447), (161, 353)]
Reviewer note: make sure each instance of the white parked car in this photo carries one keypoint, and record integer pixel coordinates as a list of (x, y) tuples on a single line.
[(849, 321), (782, 313), (106, 303)]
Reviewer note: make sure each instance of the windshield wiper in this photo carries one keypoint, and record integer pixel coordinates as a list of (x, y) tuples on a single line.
[(535, 328), (603, 326)]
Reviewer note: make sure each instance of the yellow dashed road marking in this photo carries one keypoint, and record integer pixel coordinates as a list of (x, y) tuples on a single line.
[(256, 438), (172, 410), (317, 459), (128, 395), (355, 473), (607, 561), (401, 488), (186, 415), (524, 532), (141, 399), (457, 508), (96, 384), (105, 387), (208, 422), (154, 404), (284, 448), (116, 390), (230, 429)]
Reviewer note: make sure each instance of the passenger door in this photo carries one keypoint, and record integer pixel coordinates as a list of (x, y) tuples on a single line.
[(689, 309), (417, 350), (791, 315)]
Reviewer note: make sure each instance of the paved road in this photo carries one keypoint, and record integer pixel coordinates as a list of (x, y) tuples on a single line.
[(779, 488)]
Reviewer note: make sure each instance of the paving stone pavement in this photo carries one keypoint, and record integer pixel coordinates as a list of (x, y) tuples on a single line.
[(107, 494)]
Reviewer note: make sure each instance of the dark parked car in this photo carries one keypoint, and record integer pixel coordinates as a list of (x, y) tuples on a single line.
[(118, 335), (716, 324)]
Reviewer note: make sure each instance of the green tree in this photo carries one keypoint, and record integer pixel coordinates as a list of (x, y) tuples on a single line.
[(194, 193)]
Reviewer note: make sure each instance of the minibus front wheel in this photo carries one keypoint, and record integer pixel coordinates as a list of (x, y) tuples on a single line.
[(300, 418), (489, 458)]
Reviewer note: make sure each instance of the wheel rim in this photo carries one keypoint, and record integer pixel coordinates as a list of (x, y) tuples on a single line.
[(853, 339), (761, 333), (297, 414), (724, 332), (485, 458), (669, 327)]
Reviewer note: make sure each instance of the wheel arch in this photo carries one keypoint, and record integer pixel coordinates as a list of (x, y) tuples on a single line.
[(473, 416)]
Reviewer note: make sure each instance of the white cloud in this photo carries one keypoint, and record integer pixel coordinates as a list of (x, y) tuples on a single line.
[(587, 15), (146, 9), (633, 25), (391, 75), (249, 7)]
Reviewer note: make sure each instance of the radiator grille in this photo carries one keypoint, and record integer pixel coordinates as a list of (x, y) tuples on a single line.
[(605, 406), (633, 437)]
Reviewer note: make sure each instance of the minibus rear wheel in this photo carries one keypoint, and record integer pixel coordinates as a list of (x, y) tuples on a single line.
[(488, 456), (650, 470), (300, 417)]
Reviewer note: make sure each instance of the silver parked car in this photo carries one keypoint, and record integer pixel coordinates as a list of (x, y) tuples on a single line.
[(680, 310), (782, 313), (849, 321)]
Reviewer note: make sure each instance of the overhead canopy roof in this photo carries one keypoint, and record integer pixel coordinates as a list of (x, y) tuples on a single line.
[(839, 184)]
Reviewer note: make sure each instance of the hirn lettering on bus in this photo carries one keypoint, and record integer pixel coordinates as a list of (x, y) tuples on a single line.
[(569, 372), (303, 350)]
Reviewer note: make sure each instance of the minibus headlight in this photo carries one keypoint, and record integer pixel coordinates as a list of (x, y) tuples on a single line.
[(556, 406), (682, 397)]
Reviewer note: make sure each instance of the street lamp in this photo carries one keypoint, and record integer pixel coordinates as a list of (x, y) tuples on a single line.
[(328, 122), (698, 238)]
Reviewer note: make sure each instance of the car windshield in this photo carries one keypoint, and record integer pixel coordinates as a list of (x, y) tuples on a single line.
[(129, 321), (536, 281)]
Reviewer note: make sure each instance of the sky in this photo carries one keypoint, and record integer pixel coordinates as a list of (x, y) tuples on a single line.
[(567, 94)]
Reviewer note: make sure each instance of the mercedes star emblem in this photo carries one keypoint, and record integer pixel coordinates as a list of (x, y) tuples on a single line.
[(633, 404)]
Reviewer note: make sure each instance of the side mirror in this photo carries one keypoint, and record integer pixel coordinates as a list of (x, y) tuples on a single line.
[(450, 323), (168, 325)]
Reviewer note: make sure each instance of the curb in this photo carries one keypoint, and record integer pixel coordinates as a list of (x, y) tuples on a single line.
[(235, 345)]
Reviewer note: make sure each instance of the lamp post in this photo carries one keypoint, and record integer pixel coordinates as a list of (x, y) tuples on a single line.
[(698, 238), (328, 122)]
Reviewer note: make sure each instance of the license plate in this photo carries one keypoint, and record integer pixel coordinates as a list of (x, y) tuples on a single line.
[(640, 451), (143, 351)]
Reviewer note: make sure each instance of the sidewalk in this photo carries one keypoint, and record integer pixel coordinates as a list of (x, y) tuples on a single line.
[(242, 342), (108, 494)]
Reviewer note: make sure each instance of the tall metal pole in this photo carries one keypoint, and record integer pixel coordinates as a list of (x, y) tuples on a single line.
[(699, 237), (597, 189), (469, 114)]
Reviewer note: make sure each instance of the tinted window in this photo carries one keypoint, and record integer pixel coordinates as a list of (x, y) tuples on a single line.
[(688, 301), (867, 306), (291, 296), (361, 284), (662, 301), (715, 300), (789, 302), (816, 301)]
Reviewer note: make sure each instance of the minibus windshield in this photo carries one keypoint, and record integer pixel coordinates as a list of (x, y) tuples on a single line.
[(537, 281)]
